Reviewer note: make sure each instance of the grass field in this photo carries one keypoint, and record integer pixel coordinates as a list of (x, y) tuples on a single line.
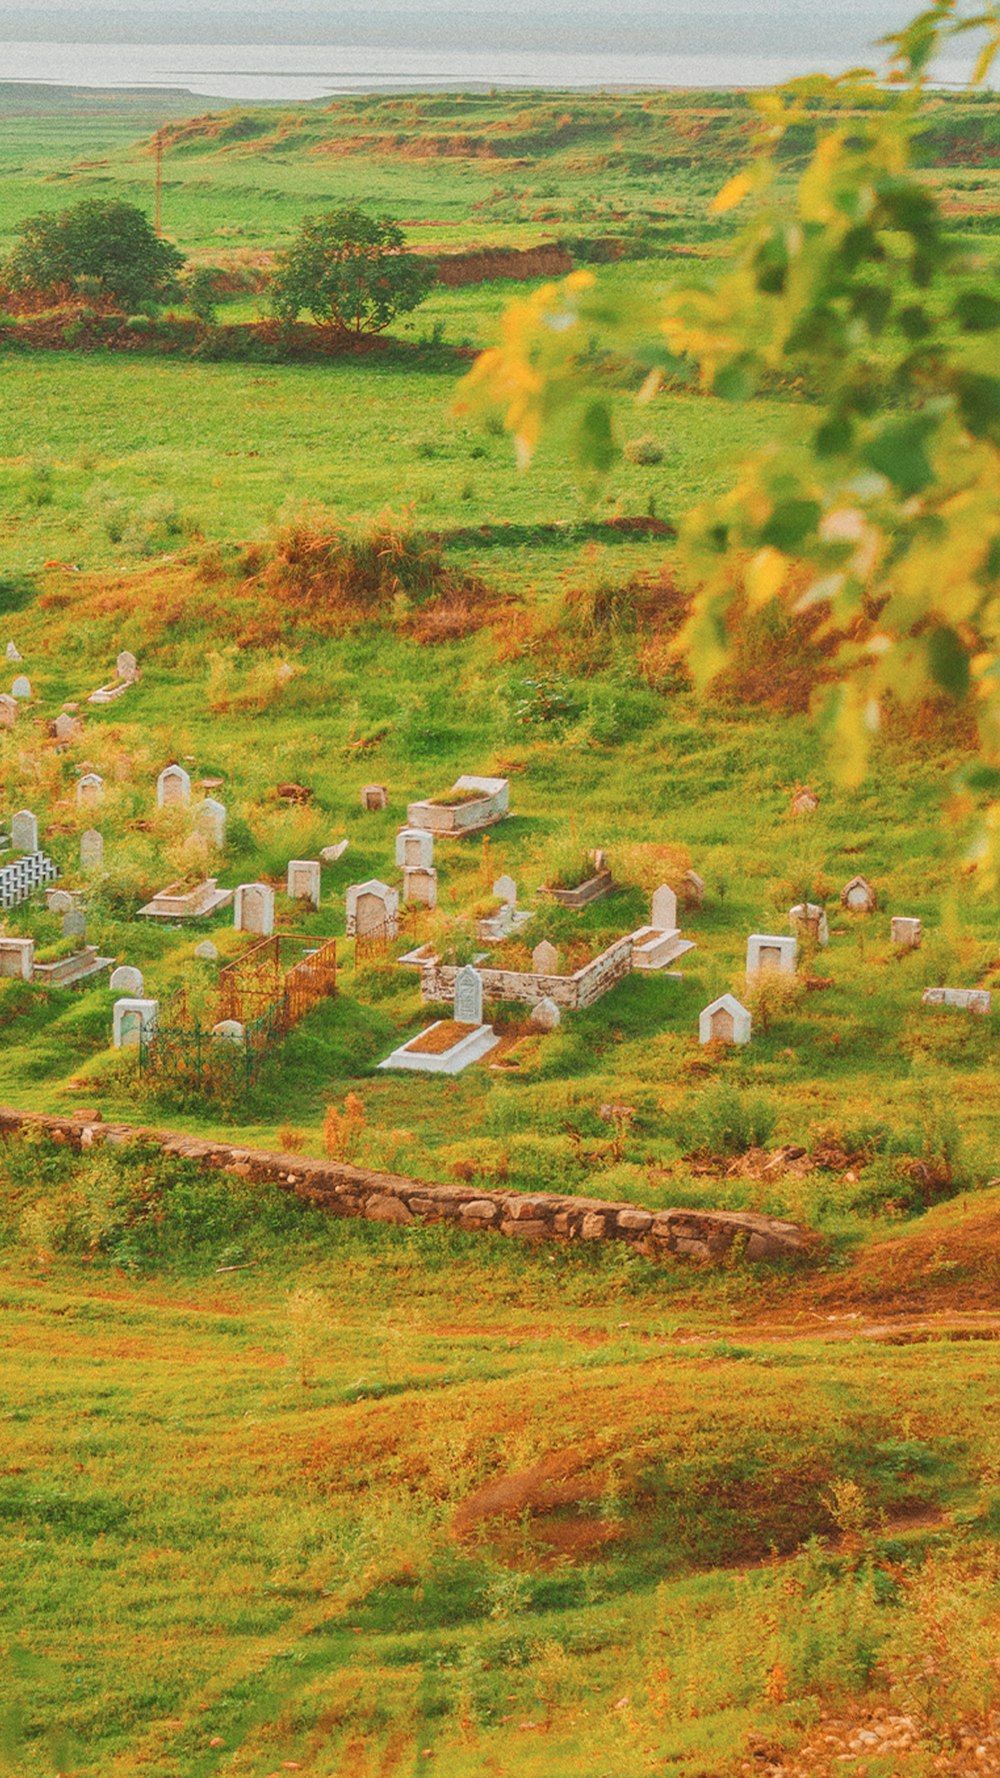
[(280, 1492)]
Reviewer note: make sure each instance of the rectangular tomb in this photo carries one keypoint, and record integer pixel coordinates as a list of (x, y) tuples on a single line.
[(472, 804)]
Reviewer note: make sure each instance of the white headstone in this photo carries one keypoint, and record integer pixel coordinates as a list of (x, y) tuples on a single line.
[(330, 854), (24, 831), (859, 896), (74, 924), (8, 710), (414, 845), (805, 801), (65, 727), (206, 952), (808, 917), (59, 901), (374, 796), (13, 653), (663, 913), (254, 909), (126, 980), (692, 889), (17, 958), (304, 880), (545, 1015), (545, 958), (372, 908), (977, 1000), (126, 666), (228, 1031), (505, 890), (907, 932), (770, 953), (173, 788), (724, 1021), (89, 790), (133, 1018), (92, 850), (210, 821), (420, 885), (21, 687), (468, 996)]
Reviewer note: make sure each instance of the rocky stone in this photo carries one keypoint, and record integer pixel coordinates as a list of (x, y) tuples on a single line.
[(384, 1209)]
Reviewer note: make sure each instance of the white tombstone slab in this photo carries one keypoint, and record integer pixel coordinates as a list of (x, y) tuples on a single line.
[(372, 908), (725, 1020), (24, 831), (254, 909), (65, 727), (859, 896), (505, 890), (420, 885), (374, 796), (468, 996), (92, 850), (74, 923), (13, 653), (17, 958), (304, 880), (977, 1000), (210, 821), (228, 1031), (770, 953), (126, 666), (89, 790), (330, 854), (545, 1015), (8, 710), (206, 952), (126, 980), (59, 901), (133, 1019), (414, 846), (173, 788), (545, 958), (907, 932), (663, 912), (810, 919), (21, 687)]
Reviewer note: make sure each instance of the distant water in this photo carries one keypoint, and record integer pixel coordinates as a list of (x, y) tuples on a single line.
[(314, 71)]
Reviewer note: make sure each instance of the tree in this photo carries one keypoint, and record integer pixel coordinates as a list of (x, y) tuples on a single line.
[(351, 272), (105, 241), (882, 513)]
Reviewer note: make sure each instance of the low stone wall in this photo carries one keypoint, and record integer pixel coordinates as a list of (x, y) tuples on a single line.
[(572, 992), (387, 1197)]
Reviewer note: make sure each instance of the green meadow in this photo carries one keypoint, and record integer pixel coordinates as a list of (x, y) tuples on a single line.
[(282, 1492)]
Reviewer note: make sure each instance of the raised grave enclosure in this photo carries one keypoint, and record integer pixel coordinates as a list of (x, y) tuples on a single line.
[(478, 803), (704, 1235), (571, 992)]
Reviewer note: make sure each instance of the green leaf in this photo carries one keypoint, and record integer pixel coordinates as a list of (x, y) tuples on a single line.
[(979, 404), (733, 381), (898, 453), (791, 522), (948, 661), (976, 311), (833, 438), (595, 447)]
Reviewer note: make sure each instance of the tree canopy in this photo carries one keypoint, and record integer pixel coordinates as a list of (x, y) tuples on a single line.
[(103, 241), (882, 512), (351, 272)]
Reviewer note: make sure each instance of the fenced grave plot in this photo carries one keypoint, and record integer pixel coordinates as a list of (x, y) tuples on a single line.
[(259, 998)]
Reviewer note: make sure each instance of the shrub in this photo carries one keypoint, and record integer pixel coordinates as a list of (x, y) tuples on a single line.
[(644, 451), (724, 1121)]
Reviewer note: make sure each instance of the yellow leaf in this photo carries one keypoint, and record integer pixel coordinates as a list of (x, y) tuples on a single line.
[(765, 576), (732, 193)]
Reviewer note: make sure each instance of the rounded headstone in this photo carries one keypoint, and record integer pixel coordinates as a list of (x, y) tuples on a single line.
[(126, 980), (21, 687), (545, 1015), (206, 952)]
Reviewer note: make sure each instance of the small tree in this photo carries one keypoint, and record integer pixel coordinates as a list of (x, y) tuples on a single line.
[(351, 272), (109, 244)]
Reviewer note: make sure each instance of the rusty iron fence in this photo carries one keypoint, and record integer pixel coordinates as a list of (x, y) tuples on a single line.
[(260, 996)]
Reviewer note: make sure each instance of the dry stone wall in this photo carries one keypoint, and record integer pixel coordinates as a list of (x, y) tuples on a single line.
[(387, 1197), (572, 992)]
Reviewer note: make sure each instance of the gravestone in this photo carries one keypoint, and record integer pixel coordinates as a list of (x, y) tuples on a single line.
[(505, 890), (17, 958), (13, 653), (24, 831), (254, 909), (415, 846), (228, 1031), (74, 924), (126, 980), (92, 850), (545, 959), (663, 913), (126, 666), (374, 796), (173, 788), (420, 885), (859, 896), (21, 687), (210, 822), (330, 854), (468, 996), (59, 901), (692, 889), (8, 710), (372, 910), (545, 1015), (809, 918), (769, 953), (304, 880), (805, 801), (907, 932), (206, 952), (89, 790), (132, 1019), (977, 1000), (724, 1021), (65, 727)]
